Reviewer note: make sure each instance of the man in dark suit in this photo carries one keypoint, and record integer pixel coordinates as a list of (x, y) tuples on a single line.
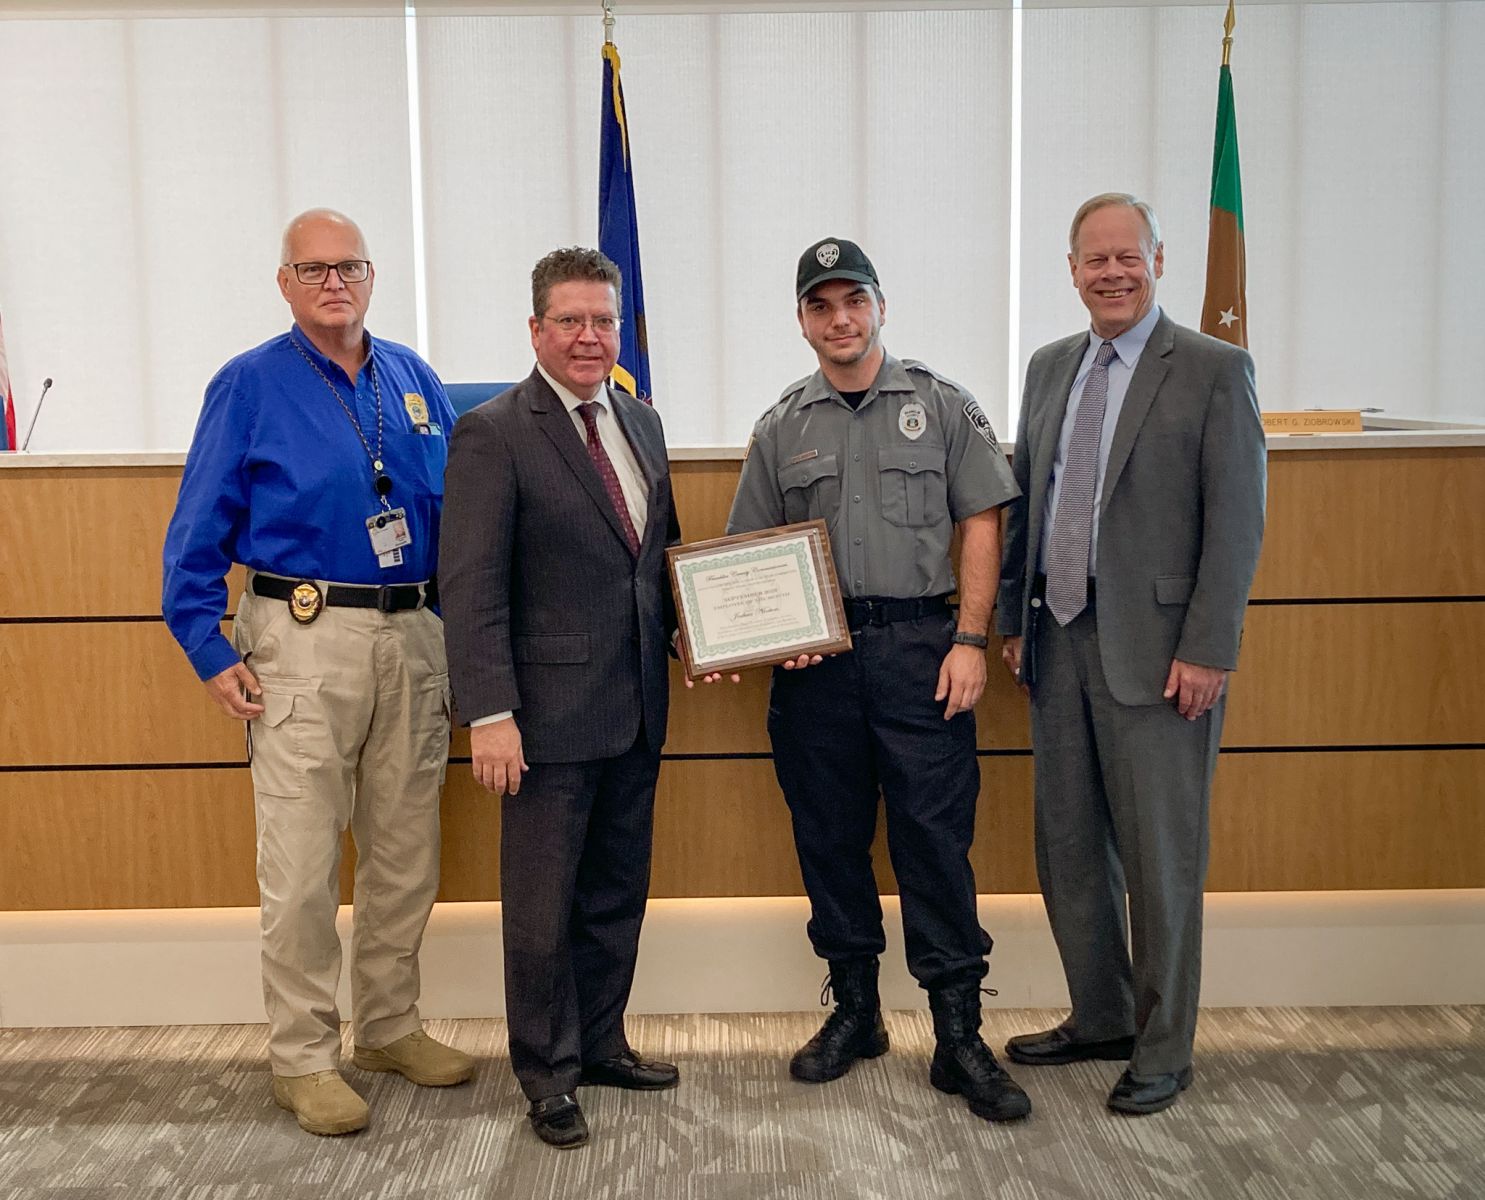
[(1125, 577), (557, 514)]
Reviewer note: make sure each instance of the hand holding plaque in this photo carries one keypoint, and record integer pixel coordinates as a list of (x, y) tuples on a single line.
[(757, 599)]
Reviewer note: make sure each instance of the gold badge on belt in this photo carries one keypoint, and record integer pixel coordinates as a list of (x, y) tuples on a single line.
[(306, 601)]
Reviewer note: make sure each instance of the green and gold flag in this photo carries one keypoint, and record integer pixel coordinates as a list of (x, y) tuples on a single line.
[(1224, 312)]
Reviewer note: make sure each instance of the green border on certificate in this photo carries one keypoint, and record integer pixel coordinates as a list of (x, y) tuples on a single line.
[(757, 599)]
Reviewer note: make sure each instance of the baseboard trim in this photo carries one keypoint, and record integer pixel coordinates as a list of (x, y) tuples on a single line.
[(200, 966)]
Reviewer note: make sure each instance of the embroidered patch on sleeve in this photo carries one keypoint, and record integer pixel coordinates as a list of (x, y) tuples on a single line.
[(981, 422)]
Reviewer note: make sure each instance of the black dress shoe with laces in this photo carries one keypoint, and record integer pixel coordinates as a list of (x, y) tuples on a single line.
[(628, 1070), (1052, 1047), (1141, 1094), (559, 1121)]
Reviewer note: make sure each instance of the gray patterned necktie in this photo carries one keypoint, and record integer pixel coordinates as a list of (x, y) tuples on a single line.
[(1072, 528)]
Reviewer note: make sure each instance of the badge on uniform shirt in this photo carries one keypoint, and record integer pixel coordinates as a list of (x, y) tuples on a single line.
[(389, 533), (417, 407), (805, 456), (306, 601), (981, 422), (912, 419)]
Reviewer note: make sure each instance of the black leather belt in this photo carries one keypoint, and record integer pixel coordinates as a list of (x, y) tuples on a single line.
[(1039, 587), (388, 598), (869, 610)]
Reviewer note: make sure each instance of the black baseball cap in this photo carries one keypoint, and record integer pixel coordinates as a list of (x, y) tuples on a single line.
[(832, 258)]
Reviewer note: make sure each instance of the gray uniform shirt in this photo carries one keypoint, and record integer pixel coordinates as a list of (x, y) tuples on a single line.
[(890, 478)]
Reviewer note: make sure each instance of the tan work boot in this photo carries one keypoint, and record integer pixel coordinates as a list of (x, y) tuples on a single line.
[(323, 1102), (420, 1058)]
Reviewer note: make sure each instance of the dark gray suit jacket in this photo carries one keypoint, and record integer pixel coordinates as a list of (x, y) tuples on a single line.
[(546, 611), (1181, 512)]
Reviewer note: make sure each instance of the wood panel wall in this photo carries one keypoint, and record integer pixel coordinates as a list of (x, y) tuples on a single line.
[(1354, 756)]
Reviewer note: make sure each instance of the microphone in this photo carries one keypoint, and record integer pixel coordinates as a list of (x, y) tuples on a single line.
[(46, 386)]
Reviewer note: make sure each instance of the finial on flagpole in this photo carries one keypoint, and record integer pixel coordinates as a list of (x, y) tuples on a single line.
[(1227, 25), (608, 22)]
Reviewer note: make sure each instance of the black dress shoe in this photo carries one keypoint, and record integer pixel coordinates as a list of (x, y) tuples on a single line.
[(1141, 1094), (1054, 1046), (559, 1121), (628, 1070)]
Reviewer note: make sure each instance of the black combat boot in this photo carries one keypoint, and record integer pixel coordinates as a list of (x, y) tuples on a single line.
[(854, 1030), (962, 1063)]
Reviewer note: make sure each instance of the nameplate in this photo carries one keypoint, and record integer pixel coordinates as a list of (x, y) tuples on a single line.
[(1330, 420)]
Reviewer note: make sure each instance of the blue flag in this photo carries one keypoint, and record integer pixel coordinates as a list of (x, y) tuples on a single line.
[(618, 231)]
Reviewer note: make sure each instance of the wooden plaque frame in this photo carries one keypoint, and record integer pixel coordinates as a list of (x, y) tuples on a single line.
[(830, 635)]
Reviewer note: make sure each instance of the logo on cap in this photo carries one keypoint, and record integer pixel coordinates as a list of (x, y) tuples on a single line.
[(828, 255)]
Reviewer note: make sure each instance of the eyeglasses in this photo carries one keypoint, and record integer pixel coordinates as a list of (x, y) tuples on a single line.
[(573, 325), (353, 270)]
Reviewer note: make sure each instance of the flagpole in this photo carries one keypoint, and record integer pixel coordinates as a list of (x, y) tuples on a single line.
[(1224, 310), (618, 227)]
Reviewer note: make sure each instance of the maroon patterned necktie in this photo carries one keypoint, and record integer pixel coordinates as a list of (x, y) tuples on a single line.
[(601, 460)]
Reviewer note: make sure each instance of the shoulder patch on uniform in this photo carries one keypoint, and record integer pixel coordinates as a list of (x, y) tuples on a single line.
[(981, 422)]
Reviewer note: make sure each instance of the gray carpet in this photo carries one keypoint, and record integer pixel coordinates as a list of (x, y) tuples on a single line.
[(1288, 1104)]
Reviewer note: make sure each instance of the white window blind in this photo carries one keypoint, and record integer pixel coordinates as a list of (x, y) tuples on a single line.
[(151, 162)]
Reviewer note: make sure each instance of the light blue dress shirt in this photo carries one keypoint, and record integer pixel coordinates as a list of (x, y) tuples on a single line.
[(1128, 347)]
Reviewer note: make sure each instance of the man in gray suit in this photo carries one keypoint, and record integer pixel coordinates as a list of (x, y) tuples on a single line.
[(1125, 577), (557, 617)]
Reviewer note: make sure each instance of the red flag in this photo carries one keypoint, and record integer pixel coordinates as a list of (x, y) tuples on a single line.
[(7, 401)]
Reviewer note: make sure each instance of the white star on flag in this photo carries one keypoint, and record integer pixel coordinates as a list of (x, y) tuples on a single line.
[(1227, 318)]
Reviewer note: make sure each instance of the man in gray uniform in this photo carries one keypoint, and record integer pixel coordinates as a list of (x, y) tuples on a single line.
[(893, 457), (1126, 576)]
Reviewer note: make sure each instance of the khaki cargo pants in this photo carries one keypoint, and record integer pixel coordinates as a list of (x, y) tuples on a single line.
[(355, 732)]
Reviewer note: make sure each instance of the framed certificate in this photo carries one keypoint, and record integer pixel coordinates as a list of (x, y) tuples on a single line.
[(757, 599)]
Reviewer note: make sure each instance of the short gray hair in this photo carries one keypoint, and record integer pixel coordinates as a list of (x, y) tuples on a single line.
[(316, 214), (1114, 200), (572, 264)]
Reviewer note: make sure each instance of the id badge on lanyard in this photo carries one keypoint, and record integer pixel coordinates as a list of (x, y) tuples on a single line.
[(389, 535)]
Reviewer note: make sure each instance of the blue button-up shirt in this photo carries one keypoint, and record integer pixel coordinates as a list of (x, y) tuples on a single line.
[(277, 479), (1128, 347)]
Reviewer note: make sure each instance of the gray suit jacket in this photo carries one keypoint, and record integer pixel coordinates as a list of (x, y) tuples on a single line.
[(1181, 512), (545, 609)]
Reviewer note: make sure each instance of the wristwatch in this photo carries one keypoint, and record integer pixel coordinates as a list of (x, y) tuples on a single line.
[(978, 640)]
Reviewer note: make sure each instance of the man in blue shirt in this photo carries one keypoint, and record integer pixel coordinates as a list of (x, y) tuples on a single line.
[(318, 463)]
